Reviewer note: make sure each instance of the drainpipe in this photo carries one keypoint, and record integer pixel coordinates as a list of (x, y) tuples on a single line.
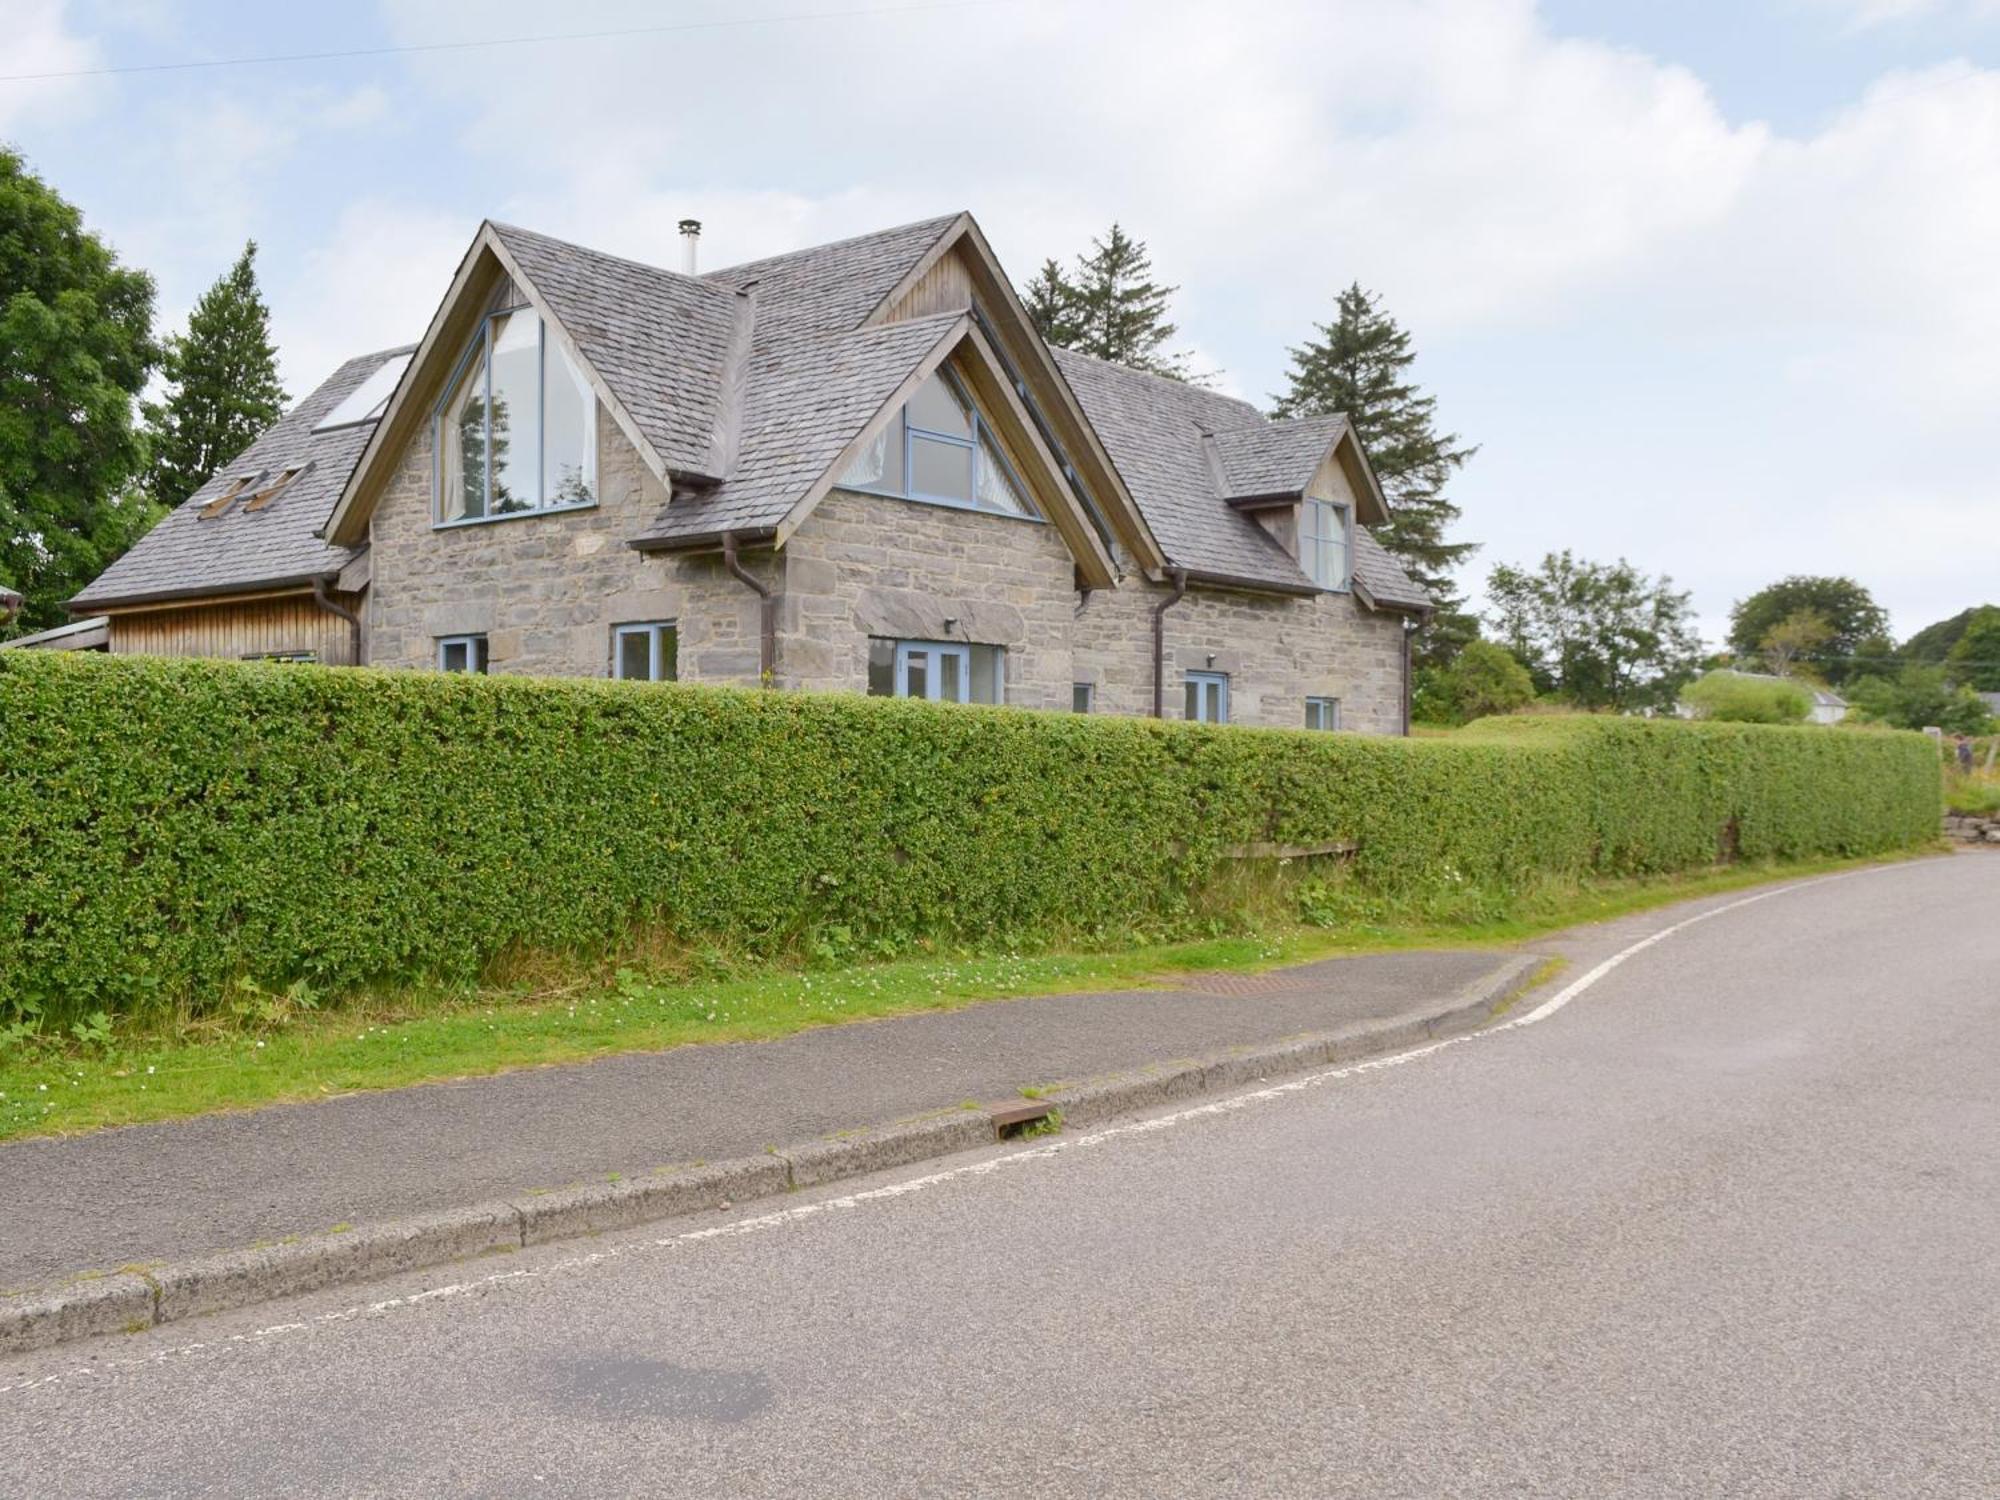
[(326, 602), (767, 611), (1179, 576), (1409, 634)]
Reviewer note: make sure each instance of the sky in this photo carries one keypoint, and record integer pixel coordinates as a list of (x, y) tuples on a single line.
[(1714, 287)]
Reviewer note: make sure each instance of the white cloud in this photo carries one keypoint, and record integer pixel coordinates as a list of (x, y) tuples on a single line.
[(1730, 331), (373, 285), (38, 40)]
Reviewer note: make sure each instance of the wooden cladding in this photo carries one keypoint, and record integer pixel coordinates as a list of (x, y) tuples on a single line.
[(943, 288), (291, 626)]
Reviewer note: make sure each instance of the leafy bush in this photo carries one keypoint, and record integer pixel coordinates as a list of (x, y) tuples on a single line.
[(1482, 680), (1733, 698), (1918, 697), (170, 829)]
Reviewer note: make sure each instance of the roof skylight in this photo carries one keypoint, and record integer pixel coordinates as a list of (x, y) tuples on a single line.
[(368, 400)]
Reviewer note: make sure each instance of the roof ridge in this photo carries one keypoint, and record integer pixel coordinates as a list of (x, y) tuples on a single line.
[(1174, 382), (851, 239), (623, 260)]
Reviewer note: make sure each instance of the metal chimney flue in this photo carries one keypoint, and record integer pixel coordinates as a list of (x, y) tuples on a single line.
[(690, 238)]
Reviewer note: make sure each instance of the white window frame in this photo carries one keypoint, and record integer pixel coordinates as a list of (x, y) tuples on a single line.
[(1208, 686), (1313, 542), (658, 632), (474, 645), (481, 346), (1329, 711)]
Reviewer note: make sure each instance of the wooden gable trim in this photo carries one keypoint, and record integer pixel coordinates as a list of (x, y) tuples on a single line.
[(1037, 367), (451, 327), (1016, 429), (347, 524), (1353, 460)]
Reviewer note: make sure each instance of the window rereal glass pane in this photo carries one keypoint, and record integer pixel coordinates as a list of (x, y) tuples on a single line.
[(989, 674), (462, 433), (881, 667), (937, 407), (879, 466), (1082, 697), (634, 660), (569, 433), (942, 471), (462, 653), (366, 401), (996, 484), (917, 674), (513, 429), (1208, 697)]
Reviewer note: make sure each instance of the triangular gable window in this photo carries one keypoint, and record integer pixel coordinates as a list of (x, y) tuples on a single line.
[(939, 449)]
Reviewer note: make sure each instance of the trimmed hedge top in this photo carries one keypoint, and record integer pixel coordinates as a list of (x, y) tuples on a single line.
[(168, 826)]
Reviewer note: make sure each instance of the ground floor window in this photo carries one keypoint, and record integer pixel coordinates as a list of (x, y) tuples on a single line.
[(1207, 697), (942, 671), (646, 653), (461, 653), (1322, 713), (1083, 697)]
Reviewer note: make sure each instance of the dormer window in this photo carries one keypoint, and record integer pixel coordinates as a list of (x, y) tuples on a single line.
[(1325, 543), (517, 429), (939, 449)]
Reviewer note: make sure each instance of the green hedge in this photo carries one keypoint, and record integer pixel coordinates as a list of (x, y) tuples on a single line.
[(167, 827)]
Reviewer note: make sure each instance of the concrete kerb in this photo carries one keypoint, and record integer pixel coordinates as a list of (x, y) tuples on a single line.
[(143, 1297)]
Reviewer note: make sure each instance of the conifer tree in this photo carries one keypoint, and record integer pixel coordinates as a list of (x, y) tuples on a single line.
[(1359, 365), (222, 385), (1109, 307)]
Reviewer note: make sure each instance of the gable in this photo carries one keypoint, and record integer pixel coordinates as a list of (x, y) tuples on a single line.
[(961, 273), (656, 349)]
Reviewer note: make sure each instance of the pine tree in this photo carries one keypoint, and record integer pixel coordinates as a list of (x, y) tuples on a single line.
[(222, 385), (1359, 366), (1109, 307), (1051, 301)]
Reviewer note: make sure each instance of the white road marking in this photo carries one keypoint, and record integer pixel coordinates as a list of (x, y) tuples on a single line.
[(758, 1223)]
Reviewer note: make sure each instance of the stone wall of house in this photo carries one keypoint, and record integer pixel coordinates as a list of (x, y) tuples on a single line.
[(1276, 652), (866, 565), (546, 590)]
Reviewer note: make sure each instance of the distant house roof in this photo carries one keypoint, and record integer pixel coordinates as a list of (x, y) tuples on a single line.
[(1822, 697), (240, 549), (10, 603)]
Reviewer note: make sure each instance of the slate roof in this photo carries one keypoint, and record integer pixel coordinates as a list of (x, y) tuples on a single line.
[(831, 288), (814, 376), (806, 401), (1157, 432), (1275, 458), (748, 382), (189, 554), (660, 340)]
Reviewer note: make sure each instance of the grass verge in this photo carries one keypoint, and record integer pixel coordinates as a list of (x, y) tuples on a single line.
[(277, 1050)]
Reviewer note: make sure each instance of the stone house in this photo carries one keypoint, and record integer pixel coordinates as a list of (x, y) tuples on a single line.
[(851, 468)]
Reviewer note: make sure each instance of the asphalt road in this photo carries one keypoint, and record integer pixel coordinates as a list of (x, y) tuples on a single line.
[(1726, 1224)]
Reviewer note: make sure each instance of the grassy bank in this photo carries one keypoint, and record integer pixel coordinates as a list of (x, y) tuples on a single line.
[(272, 1047)]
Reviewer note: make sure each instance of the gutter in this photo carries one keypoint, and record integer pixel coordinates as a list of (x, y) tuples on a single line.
[(326, 602), (767, 611), (1180, 578)]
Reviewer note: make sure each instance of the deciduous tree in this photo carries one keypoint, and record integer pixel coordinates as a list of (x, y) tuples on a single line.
[(1598, 635), (1858, 627), (76, 346)]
